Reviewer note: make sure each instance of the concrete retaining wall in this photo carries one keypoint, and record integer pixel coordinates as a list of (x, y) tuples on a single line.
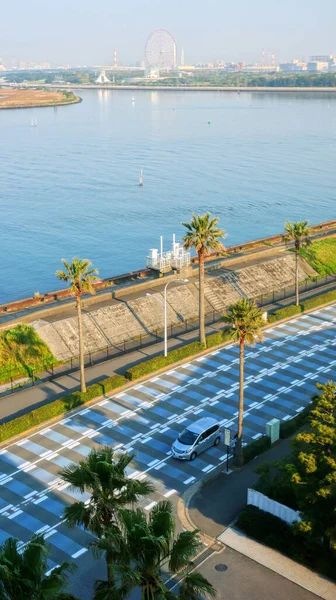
[(125, 320)]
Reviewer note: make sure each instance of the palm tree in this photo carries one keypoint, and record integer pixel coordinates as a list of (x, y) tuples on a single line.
[(104, 477), (23, 573), (196, 587), (81, 278), (203, 235), (148, 546), (243, 322), (299, 233)]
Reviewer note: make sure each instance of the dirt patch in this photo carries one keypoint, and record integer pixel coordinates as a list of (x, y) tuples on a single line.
[(21, 98)]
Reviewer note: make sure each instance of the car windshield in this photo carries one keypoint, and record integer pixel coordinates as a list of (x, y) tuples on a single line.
[(188, 437)]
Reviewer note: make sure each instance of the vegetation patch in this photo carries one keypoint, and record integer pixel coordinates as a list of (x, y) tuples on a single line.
[(59, 407), (159, 362), (311, 303), (287, 428), (22, 353), (321, 255), (277, 534), (256, 447)]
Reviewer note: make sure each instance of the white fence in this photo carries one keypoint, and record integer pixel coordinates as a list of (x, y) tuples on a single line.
[(271, 506)]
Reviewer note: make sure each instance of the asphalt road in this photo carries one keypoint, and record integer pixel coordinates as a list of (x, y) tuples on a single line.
[(281, 374)]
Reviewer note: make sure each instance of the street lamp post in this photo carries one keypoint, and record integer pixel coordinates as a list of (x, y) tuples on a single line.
[(164, 304)]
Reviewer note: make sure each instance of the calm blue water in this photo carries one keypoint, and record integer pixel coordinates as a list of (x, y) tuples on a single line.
[(70, 186)]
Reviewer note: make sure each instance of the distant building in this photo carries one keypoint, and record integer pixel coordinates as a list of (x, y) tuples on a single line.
[(294, 66), (102, 78), (152, 72), (317, 66), (323, 58)]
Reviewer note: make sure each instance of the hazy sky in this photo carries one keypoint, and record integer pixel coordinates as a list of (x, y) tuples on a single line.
[(86, 31)]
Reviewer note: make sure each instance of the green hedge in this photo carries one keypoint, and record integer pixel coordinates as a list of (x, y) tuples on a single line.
[(284, 313), (256, 447), (159, 362), (215, 339), (58, 407), (290, 311), (277, 534), (287, 428)]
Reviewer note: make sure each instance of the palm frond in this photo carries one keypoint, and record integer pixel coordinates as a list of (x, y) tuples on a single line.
[(195, 586), (185, 548)]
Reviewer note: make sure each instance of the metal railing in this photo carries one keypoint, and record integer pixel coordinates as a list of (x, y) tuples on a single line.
[(109, 352)]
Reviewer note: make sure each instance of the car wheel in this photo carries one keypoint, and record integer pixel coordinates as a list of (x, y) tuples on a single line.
[(193, 456), (217, 440)]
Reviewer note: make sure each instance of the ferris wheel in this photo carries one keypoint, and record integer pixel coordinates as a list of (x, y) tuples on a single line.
[(160, 50)]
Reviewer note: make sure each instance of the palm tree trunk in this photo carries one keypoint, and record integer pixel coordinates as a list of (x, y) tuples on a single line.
[(297, 277), (81, 344), (201, 296), (239, 445)]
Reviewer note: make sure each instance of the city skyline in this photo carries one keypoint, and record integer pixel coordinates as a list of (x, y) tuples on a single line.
[(208, 33)]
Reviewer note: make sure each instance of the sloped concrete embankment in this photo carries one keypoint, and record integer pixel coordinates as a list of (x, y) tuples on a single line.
[(127, 320)]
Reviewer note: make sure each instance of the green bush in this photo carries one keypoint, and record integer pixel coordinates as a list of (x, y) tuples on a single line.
[(159, 362), (277, 534), (215, 339), (290, 311), (287, 428), (256, 447), (318, 300), (284, 313), (265, 528), (58, 407)]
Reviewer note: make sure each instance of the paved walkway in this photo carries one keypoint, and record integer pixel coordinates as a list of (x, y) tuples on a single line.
[(279, 563)]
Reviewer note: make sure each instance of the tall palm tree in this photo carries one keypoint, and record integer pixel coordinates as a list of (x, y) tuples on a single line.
[(105, 478), (299, 233), (243, 322), (203, 235), (23, 573), (149, 546), (196, 587), (81, 278)]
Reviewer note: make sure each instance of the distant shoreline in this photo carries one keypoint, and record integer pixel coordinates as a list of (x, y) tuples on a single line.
[(181, 88), (78, 99), (188, 88), (13, 98)]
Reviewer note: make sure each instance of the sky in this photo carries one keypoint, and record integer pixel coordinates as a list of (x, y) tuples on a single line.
[(85, 32)]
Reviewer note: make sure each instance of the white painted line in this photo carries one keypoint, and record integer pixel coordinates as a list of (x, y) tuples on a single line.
[(137, 436), (155, 426), (170, 493), (55, 567), (63, 487), (187, 481), (30, 494), (74, 445), (158, 467), (149, 506), (21, 442), (198, 411), (79, 553), (286, 418), (103, 402), (95, 433), (207, 468), (42, 529), (52, 456), (7, 480), (148, 439), (300, 409), (6, 508), (39, 500), (44, 454), (257, 436), (164, 429), (16, 514), (154, 462), (47, 535)]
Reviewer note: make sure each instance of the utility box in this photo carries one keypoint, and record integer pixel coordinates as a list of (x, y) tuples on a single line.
[(273, 430)]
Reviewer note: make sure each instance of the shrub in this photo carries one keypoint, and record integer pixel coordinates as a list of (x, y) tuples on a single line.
[(256, 447), (215, 339), (287, 428), (318, 300), (284, 313), (159, 362), (58, 407)]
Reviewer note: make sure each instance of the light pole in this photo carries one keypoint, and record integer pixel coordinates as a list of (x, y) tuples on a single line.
[(164, 304)]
